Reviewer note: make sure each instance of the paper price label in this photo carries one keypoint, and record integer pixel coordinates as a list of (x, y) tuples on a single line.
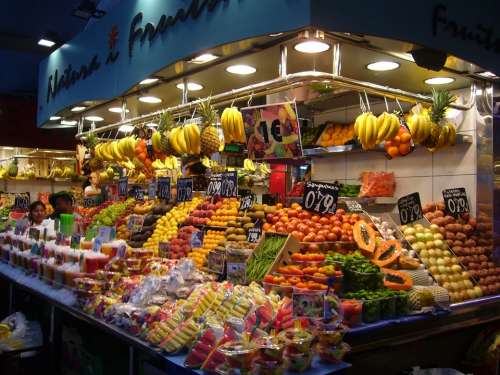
[(97, 245), (135, 223), (254, 234), (410, 208), (215, 261), (152, 191), (320, 197)]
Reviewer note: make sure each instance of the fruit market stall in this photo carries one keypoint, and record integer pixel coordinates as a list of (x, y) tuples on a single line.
[(272, 223)]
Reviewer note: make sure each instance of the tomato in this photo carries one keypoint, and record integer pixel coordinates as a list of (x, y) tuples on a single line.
[(307, 214), (346, 226), (292, 213), (290, 227), (337, 231), (299, 236), (297, 256), (266, 227), (315, 218), (324, 220), (280, 229), (340, 211), (269, 278), (294, 280), (319, 238), (337, 223), (303, 228), (284, 219), (275, 219), (344, 238), (309, 238)]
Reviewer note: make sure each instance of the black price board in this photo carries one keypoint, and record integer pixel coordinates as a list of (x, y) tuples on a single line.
[(139, 194), (455, 201), (149, 148), (247, 201), (184, 189), (21, 202), (152, 190), (229, 186), (410, 208), (214, 185), (164, 188), (353, 206), (94, 201), (320, 197), (254, 234), (123, 186), (216, 261)]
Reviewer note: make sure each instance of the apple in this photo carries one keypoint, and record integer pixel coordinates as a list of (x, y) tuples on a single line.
[(428, 236), (424, 253), (438, 236), (409, 232), (438, 243), (411, 238), (442, 269), (420, 237)]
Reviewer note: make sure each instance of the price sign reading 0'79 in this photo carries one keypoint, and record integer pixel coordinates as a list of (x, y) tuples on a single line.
[(455, 201), (320, 197), (184, 189), (410, 208)]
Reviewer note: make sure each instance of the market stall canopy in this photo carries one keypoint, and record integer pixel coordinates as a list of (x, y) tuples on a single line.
[(139, 38)]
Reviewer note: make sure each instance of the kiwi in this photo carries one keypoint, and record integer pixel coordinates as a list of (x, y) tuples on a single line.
[(232, 237), (269, 209), (241, 237), (230, 231), (258, 207), (246, 219), (260, 214), (248, 225), (240, 231)]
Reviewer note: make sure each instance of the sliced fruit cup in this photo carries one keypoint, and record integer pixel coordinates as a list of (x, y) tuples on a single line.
[(239, 355), (333, 354), (88, 284), (271, 349), (298, 341), (141, 253), (109, 276), (299, 362), (268, 367), (353, 312), (328, 337)]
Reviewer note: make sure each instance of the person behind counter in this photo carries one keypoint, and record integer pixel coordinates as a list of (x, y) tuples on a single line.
[(37, 213), (62, 203)]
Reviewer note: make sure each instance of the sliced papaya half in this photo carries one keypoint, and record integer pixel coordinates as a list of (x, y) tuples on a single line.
[(365, 236), (387, 253), (396, 280)]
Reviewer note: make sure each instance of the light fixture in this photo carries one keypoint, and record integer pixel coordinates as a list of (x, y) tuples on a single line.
[(488, 75), (479, 92), (382, 66), (191, 86), (94, 118), (204, 58), (117, 110), (275, 34), (46, 42), (148, 81), (312, 44), (7, 148), (241, 69), (150, 99), (125, 128), (439, 80), (68, 122), (152, 125), (54, 118), (77, 109)]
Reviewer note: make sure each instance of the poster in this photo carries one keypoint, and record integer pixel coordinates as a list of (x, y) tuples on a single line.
[(272, 131)]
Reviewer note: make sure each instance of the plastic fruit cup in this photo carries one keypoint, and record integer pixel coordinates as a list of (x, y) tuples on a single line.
[(86, 245), (238, 355), (107, 249), (353, 310), (333, 354), (297, 340), (268, 368), (299, 362), (330, 338), (271, 349)]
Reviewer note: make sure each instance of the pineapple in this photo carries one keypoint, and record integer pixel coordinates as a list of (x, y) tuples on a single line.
[(209, 139), (441, 100), (166, 124), (13, 168), (91, 141)]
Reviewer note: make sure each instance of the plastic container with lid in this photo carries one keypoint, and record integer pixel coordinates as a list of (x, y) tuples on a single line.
[(271, 349), (353, 312), (333, 353), (281, 290), (299, 362), (239, 355), (268, 367), (297, 340), (88, 284)]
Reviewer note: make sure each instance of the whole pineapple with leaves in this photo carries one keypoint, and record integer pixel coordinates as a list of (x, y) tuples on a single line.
[(442, 134), (165, 126), (209, 139)]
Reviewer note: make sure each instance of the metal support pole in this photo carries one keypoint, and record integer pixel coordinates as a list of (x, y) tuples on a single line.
[(123, 114), (131, 360), (184, 91), (52, 320), (11, 298), (283, 60), (337, 64)]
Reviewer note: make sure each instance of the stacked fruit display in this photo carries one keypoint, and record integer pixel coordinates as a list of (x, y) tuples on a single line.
[(180, 245), (108, 215), (167, 226), (203, 212), (400, 145), (211, 240), (463, 237), (335, 135), (429, 243), (227, 211)]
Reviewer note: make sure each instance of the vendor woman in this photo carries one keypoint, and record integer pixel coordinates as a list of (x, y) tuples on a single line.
[(37, 213)]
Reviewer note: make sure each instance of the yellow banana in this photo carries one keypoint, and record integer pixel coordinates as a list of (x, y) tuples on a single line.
[(291, 113), (233, 118), (187, 139), (452, 136), (383, 126), (225, 125), (393, 127), (181, 141), (240, 130)]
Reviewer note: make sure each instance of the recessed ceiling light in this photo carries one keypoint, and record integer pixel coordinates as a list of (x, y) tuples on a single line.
[(191, 86), (241, 69), (150, 99), (68, 122), (125, 128), (77, 109), (148, 81), (54, 118), (46, 42), (117, 110), (94, 118), (204, 58), (311, 46), (275, 34), (382, 66), (488, 75), (439, 80), (7, 148), (152, 125)]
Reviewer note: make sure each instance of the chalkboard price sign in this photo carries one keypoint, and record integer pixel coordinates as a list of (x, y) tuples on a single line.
[(123, 186), (246, 202), (410, 208), (254, 234), (214, 185), (21, 202), (320, 197), (455, 201), (229, 186), (164, 188), (184, 189)]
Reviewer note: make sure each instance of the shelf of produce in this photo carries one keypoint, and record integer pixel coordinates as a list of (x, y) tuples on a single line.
[(363, 201), (333, 150), (174, 363)]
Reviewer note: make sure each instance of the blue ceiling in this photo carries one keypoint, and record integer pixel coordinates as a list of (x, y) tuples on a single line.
[(22, 24)]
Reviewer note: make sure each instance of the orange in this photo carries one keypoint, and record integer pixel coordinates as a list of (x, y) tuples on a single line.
[(396, 140), (393, 151), (404, 148), (405, 137)]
